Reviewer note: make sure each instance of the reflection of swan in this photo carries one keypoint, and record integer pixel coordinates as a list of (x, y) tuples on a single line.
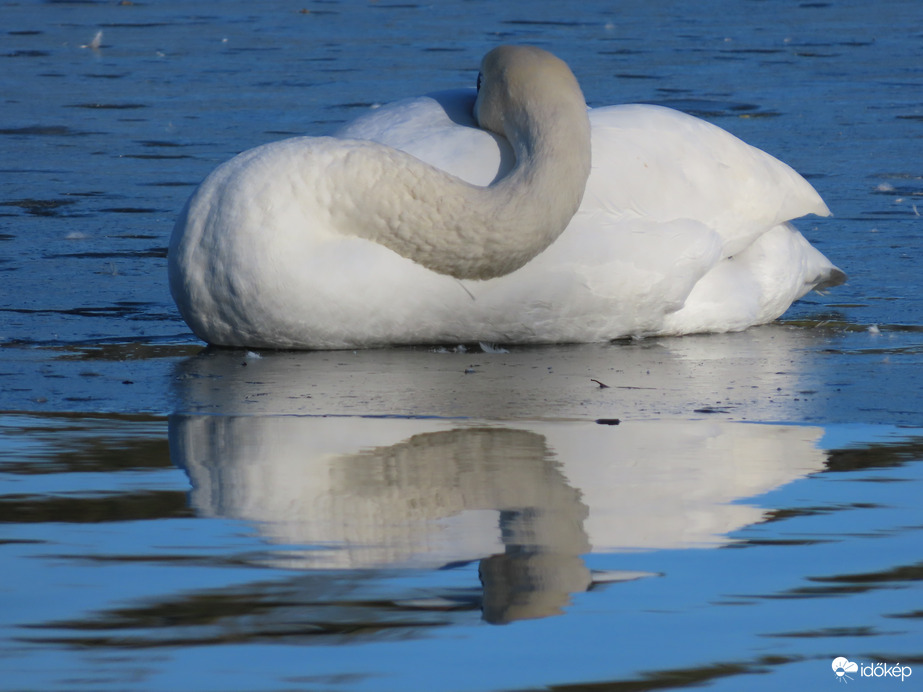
[(527, 501), (324, 482), (323, 243)]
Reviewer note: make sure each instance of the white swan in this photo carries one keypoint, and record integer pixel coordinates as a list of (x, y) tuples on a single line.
[(354, 241)]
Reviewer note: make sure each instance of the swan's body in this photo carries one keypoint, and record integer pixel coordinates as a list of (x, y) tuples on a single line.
[(353, 241)]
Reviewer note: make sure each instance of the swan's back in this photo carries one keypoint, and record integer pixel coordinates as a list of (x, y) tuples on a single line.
[(683, 227), (649, 162)]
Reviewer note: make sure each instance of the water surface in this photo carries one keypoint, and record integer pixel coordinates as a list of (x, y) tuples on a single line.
[(729, 511)]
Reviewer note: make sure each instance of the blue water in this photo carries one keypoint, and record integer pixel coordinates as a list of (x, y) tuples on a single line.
[(408, 520)]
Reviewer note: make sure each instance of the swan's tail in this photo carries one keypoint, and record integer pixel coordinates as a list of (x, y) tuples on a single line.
[(833, 276)]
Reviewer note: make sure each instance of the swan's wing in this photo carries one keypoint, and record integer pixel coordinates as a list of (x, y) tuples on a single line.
[(659, 164), (683, 227), (649, 162)]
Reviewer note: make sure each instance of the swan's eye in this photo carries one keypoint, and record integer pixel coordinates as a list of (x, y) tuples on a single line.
[(480, 78)]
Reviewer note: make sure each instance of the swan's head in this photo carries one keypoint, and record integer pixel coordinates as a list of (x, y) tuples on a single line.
[(520, 86)]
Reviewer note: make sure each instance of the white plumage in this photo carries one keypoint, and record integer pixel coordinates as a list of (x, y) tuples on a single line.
[(682, 228)]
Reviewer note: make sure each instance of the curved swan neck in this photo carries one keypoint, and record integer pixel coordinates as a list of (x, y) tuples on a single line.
[(451, 227), (552, 147)]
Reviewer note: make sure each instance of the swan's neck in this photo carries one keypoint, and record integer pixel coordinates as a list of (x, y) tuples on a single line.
[(466, 231)]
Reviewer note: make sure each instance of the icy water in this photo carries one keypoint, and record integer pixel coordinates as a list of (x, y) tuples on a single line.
[(731, 512)]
